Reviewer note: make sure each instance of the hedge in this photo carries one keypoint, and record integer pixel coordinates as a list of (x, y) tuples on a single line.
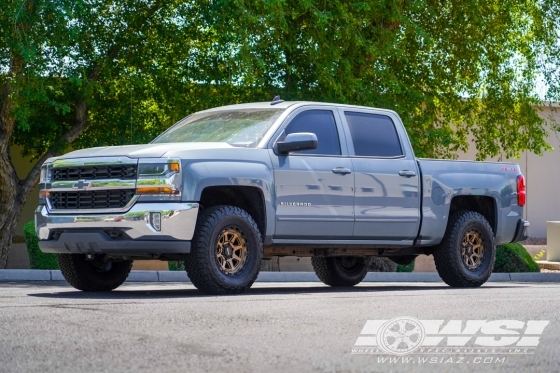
[(405, 268), (37, 259), (512, 257), (175, 265)]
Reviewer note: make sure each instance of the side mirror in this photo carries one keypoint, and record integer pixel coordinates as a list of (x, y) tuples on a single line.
[(297, 141)]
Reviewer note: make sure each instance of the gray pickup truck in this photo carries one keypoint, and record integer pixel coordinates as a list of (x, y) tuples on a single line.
[(228, 187)]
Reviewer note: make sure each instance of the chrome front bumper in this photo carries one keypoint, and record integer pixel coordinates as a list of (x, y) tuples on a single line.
[(130, 232)]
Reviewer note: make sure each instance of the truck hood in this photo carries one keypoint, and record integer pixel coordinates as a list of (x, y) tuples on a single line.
[(143, 151)]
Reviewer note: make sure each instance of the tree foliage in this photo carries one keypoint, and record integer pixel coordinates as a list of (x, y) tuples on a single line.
[(108, 72)]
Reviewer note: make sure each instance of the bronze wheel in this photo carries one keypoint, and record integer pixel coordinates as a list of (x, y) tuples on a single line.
[(226, 251), (231, 251), (472, 250), (465, 256)]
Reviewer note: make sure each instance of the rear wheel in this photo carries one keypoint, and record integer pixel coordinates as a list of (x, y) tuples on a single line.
[(226, 251), (340, 270), (465, 257), (93, 275)]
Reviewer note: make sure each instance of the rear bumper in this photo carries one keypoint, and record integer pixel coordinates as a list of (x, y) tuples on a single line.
[(521, 231), (130, 232)]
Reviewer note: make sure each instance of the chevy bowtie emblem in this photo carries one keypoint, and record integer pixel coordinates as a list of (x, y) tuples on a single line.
[(80, 185)]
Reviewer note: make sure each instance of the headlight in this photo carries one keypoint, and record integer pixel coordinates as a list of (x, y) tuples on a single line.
[(158, 169), (159, 178), (43, 179), (44, 173)]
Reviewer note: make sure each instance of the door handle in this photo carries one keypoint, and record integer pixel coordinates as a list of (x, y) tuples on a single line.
[(407, 173), (341, 170)]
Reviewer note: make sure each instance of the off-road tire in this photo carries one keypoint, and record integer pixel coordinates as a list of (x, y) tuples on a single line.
[(447, 255), (83, 275), (201, 264), (332, 273)]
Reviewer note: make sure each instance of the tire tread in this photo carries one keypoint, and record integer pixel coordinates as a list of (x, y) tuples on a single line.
[(198, 263), (447, 266), (324, 268), (73, 268)]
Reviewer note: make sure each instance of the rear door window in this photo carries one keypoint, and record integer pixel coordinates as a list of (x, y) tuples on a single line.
[(373, 135)]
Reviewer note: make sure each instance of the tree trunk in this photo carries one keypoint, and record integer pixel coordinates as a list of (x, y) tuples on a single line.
[(14, 192), (10, 207), (10, 214)]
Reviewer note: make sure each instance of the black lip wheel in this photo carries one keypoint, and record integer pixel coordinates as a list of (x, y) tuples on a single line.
[(465, 257), (84, 275), (342, 271), (226, 251)]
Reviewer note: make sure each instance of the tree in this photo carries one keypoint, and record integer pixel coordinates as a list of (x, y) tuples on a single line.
[(108, 72), (60, 62), (450, 68)]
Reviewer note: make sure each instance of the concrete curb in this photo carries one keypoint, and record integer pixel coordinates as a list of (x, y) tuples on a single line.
[(181, 276)]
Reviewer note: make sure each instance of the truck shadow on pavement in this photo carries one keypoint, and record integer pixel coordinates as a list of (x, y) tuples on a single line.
[(128, 292)]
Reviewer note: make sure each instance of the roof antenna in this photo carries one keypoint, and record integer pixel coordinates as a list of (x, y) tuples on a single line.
[(276, 100)]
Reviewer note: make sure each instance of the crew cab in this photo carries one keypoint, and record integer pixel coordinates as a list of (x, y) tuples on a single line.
[(228, 187)]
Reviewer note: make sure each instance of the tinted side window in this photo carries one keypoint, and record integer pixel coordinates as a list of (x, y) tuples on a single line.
[(322, 124), (373, 135)]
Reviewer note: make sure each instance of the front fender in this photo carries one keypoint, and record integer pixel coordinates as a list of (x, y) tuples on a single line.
[(199, 175)]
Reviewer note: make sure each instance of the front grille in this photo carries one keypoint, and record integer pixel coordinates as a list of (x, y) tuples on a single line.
[(99, 199), (127, 171)]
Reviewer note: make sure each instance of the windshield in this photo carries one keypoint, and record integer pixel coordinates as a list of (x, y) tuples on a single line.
[(241, 127)]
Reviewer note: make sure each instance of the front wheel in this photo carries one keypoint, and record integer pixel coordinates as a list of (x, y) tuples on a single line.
[(93, 275), (226, 251), (340, 271), (465, 257)]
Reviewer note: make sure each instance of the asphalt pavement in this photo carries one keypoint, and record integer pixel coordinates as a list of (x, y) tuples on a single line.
[(274, 327)]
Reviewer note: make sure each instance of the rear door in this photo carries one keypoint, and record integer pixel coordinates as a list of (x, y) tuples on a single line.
[(314, 188), (386, 199)]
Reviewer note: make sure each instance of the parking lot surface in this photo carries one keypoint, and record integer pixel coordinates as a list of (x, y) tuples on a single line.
[(274, 327)]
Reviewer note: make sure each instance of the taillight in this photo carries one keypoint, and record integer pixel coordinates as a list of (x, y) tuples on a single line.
[(521, 193)]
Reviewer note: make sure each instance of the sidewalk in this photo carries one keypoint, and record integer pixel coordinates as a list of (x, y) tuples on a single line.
[(181, 276)]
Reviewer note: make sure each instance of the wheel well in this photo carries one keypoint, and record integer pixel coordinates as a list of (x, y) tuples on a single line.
[(250, 199), (486, 206)]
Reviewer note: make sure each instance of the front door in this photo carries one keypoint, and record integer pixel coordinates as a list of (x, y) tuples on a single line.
[(314, 188)]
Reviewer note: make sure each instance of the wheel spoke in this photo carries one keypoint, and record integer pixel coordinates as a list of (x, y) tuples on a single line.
[(415, 330), (472, 249), (391, 333), (231, 251), (395, 344), (408, 342), (402, 326)]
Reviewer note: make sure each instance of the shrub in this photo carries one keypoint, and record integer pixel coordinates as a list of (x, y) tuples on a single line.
[(405, 267), (175, 265), (381, 264), (512, 257), (37, 258)]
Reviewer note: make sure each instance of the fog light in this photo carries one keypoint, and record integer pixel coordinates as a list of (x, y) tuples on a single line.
[(155, 220)]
